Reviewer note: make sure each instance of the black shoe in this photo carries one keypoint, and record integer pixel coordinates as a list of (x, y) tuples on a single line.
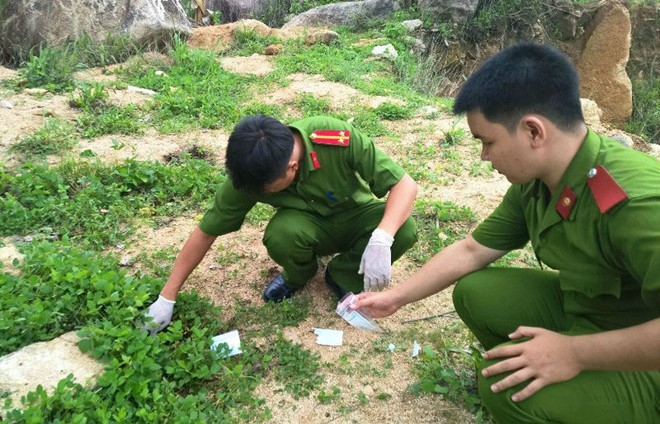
[(338, 291), (277, 290)]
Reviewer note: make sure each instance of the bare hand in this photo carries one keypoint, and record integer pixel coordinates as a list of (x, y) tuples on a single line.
[(546, 358), (377, 304)]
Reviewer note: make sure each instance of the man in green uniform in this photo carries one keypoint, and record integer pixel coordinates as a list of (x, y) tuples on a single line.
[(578, 342), (325, 179)]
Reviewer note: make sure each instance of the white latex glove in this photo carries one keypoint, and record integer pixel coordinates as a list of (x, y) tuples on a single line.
[(161, 313), (376, 263)]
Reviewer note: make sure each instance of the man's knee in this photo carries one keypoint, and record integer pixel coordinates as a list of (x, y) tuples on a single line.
[(404, 239), (500, 405), (284, 234), (466, 290)]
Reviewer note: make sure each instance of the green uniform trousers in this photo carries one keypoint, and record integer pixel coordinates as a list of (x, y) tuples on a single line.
[(493, 302), (294, 239)]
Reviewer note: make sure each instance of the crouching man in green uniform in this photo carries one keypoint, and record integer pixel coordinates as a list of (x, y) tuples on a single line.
[(325, 179), (577, 341)]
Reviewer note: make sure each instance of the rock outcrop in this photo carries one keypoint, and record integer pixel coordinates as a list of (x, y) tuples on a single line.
[(29, 23), (345, 13), (602, 64)]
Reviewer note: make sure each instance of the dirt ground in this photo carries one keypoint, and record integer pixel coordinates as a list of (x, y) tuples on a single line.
[(23, 113)]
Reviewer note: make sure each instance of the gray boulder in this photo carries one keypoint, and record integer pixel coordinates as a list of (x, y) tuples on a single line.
[(345, 13), (270, 12), (448, 10), (28, 23)]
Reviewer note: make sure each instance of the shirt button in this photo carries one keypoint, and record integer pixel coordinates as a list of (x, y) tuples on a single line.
[(592, 173)]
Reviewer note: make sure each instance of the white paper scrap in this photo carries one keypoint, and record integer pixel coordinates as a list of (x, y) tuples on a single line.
[(140, 90), (232, 340), (327, 337), (391, 347), (416, 349)]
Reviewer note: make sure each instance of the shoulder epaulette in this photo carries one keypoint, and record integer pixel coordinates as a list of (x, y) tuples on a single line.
[(331, 137), (606, 191)]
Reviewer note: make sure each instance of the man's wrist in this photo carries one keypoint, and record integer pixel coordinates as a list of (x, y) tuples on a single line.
[(382, 236), (167, 298)]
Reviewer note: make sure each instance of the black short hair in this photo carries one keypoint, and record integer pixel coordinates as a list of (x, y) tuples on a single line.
[(258, 152), (521, 79)]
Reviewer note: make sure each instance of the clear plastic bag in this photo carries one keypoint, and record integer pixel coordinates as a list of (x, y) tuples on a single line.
[(358, 318)]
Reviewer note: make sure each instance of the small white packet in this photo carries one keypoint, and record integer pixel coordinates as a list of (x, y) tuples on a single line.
[(415, 350), (232, 340), (327, 337)]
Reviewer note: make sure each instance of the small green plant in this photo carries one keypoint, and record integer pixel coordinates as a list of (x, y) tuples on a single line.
[(450, 371), (439, 225), (393, 111), (453, 135), (295, 367), (51, 68), (329, 397), (54, 137), (89, 97)]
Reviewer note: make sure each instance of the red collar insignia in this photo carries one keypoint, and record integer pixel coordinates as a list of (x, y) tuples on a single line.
[(566, 202), (607, 192), (315, 160)]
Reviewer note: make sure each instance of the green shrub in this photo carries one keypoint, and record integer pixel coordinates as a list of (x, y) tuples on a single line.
[(392, 111)]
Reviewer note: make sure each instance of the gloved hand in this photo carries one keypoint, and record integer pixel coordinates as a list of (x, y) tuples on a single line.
[(161, 313), (376, 263)]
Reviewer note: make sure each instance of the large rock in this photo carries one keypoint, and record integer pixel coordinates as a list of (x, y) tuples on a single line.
[(45, 364), (31, 22), (345, 13), (235, 10), (602, 64), (448, 10)]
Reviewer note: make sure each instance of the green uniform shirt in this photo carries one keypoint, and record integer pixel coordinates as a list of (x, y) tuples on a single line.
[(331, 178), (608, 263)]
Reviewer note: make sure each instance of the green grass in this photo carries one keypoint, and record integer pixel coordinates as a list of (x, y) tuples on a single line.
[(247, 42), (54, 137), (645, 119), (98, 204), (197, 92)]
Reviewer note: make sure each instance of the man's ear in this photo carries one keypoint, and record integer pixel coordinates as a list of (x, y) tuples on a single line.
[(535, 129), (293, 165)]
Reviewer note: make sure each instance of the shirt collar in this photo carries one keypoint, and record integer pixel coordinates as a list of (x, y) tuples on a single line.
[(585, 159), (307, 164)]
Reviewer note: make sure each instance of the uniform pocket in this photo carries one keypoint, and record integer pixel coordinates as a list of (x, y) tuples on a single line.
[(590, 283)]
